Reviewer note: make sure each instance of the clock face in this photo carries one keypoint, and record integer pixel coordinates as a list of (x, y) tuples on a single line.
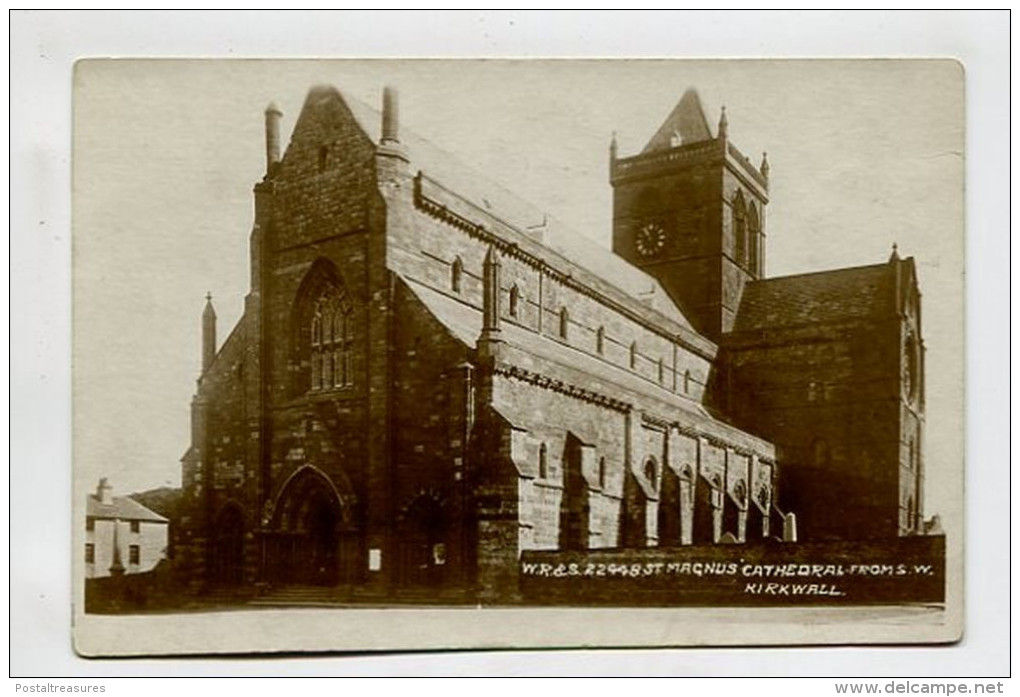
[(651, 239)]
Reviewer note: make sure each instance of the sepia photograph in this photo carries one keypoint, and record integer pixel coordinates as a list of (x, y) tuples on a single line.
[(465, 353)]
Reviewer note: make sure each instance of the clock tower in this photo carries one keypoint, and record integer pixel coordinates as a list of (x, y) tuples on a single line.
[(689, 209)]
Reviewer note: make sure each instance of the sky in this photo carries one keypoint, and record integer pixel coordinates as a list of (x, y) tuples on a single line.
[(863, 154)]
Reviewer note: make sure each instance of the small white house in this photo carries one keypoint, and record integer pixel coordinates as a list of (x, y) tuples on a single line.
[(121, 535)]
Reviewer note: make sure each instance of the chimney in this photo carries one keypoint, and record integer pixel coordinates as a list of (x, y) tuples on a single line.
[(273, 115), (208, 333), (104, 492), (390, 116)]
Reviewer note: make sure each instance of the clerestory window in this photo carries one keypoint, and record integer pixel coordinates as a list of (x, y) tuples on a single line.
[(515, 301)]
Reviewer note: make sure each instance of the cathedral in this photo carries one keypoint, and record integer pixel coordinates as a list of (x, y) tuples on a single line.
[(432, 377)]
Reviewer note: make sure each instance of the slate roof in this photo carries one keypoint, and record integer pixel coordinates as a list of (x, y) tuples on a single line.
[(496, 199), (826, 296), (464, 322), (123, 508)]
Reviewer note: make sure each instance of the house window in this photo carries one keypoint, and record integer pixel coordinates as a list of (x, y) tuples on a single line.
[(515, 300), (134, 554), (543, 462), (564, 323), (456, 275), (332, 344), (135, 526), (90, 553), (323, 158), (90, 524), (600, 341)]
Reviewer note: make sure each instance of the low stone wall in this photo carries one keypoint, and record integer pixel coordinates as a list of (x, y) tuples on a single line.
[(158, 589), (868, 572)]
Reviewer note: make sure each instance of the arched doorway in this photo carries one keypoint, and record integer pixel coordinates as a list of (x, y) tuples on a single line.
[(227, 563), (311, 542), (422, 528)]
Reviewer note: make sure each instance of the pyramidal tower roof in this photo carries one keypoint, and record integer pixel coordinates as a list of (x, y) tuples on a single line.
[(687, 122)]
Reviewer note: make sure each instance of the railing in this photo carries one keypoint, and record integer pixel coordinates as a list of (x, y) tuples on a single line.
[(683, 154), (672, 156)]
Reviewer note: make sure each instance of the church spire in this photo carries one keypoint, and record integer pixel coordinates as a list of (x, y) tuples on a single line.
[(208, 333), (391, 150), (390, 116), (723, 125), (895, 256), (686, 124), (272, 121), (613, 148)]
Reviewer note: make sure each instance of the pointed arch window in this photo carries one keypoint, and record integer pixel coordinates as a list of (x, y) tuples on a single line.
[(662, 371), (515, 301), (651, 471), (543, 462), (687, 382), (456, 275), (740, 492), (564, 323), (602, 472), (600, 340), (754, 234), (331, 342), (739, 228), (633, 355)]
